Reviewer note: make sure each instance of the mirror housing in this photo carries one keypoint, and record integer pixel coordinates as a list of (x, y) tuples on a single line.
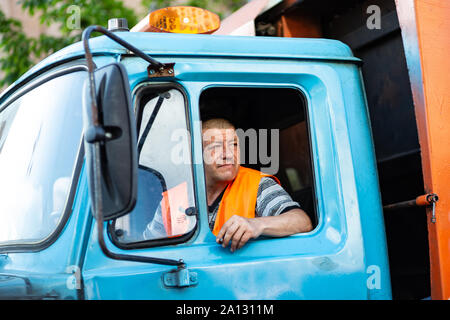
[(115, 132)]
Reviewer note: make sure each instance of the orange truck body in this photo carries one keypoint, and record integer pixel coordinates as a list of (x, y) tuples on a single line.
[(426, 37)]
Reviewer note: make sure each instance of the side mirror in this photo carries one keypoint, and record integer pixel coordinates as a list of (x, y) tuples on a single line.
[(110, 142)]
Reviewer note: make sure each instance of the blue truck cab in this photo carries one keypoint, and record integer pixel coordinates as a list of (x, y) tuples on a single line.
[(304, 101)]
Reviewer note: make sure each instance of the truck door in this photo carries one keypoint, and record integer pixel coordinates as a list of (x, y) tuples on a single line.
[(40, 164), (303, 101)]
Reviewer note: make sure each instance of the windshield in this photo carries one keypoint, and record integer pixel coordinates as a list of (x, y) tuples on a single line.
[(40, 134)]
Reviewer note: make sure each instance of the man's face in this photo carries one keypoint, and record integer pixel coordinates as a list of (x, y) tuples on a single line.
[(220, 154)]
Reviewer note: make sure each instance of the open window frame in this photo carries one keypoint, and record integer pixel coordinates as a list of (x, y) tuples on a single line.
[(282, 124)]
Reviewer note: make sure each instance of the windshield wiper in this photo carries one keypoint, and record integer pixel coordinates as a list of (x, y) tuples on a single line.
[(151, 120)]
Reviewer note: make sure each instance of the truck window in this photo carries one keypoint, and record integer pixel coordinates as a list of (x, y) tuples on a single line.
[(165, 208), (40, 136), (274, 137)]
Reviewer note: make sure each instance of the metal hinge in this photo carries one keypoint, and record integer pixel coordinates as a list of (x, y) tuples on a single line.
[(180, 278)]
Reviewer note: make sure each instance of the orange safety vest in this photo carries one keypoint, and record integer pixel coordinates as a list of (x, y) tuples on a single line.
[(239, 197)]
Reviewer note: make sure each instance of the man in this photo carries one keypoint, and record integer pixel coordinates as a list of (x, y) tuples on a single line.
[(243, 204)]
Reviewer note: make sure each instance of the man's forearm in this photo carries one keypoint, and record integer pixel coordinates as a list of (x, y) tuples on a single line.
[(291, 222)]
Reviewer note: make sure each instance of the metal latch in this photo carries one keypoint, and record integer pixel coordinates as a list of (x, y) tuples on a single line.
[(180, 278), (433, 198), (428, 199)]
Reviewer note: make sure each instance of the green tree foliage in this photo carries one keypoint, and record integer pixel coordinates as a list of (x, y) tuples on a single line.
[(18, 52), (16, 47)]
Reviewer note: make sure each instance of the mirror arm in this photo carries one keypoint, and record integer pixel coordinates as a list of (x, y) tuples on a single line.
[(87, 34), (99, 221), (91, 66), (115, 256)]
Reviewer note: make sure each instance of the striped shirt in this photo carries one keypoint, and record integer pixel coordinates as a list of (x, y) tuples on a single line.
[(271, 200)]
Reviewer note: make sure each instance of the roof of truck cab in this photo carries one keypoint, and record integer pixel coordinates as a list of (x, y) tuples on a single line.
[(186, 45), (166, 44)]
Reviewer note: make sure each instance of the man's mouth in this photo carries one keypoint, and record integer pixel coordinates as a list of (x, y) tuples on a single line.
[(227, 165)]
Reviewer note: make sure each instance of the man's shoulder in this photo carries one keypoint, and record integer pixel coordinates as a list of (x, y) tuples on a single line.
[(268, 182), (272, 199), (245, 170), (257, 174)]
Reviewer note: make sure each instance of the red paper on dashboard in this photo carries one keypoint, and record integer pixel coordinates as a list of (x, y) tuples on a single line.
[(173, 207)]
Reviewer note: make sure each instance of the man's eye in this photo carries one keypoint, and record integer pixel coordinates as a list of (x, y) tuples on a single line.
[(213, 147)]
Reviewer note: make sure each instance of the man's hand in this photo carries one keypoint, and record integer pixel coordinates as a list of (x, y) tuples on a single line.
[(238, 230)]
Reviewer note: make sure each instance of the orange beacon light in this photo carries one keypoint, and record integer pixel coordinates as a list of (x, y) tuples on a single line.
[(179, 19)]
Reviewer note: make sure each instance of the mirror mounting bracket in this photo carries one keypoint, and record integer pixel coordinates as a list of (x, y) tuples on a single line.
[(180, 278), (95, 134), (167, 70)]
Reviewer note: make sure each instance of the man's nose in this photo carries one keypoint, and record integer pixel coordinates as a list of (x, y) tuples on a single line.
[(227, 152)]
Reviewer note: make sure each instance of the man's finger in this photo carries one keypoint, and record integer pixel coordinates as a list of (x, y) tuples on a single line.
[(223, 230), (237, 237), (245, 237), (229, 234)]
